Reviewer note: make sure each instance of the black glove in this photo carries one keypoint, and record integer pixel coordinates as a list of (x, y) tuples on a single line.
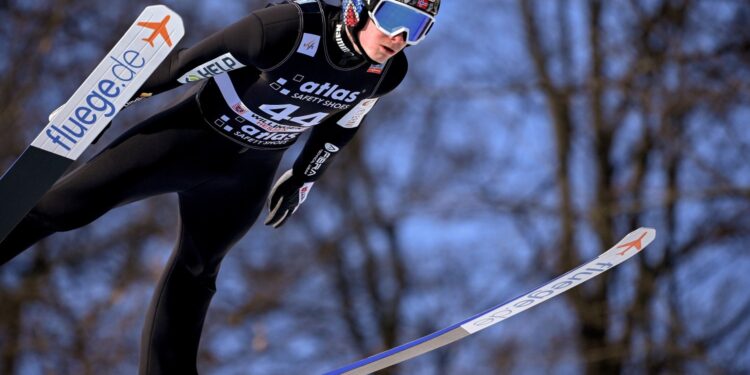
[(285, 198)]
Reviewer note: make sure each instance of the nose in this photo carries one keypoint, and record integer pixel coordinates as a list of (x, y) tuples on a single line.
[(399, 38)]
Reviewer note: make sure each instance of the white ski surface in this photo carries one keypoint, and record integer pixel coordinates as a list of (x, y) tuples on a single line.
[(630, 245), (75, 125), (116, 79)]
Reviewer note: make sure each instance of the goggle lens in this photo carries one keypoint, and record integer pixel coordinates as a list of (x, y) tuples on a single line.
[(393, 18)]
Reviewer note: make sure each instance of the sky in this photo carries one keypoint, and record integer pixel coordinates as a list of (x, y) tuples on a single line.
[(470, 67)]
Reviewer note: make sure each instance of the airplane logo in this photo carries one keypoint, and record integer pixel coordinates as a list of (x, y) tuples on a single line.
[(160, 29), (633, 244)]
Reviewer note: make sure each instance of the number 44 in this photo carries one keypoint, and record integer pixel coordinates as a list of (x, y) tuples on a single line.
[(281, 112)]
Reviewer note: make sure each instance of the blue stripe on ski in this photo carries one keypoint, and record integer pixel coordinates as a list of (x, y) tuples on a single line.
[(611, 258), (403, 347)]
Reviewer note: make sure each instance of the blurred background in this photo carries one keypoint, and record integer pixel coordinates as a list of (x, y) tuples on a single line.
[(528, 137)]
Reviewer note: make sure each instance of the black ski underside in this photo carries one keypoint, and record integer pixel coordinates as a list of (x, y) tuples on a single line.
[(24, 184)]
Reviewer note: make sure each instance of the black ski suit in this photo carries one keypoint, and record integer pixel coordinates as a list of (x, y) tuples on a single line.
[(264, 80)]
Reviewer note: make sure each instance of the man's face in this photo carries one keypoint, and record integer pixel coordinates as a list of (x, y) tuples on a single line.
[(379, 46)]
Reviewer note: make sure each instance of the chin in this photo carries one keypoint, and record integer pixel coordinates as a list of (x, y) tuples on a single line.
[(379, 58)]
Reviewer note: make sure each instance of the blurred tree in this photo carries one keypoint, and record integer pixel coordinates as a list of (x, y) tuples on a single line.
[(527, 137), (648, 87), (74, 304)]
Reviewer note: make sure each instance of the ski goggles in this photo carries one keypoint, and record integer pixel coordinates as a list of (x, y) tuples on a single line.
[(393, 18)]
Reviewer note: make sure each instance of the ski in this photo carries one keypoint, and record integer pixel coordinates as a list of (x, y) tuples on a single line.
[(626, 248), (74, 126)]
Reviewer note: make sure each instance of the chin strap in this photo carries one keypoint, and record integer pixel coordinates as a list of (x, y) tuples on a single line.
[(341, 41)]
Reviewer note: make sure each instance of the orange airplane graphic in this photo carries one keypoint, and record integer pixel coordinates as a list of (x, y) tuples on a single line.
[(634, 244), (160, 28)]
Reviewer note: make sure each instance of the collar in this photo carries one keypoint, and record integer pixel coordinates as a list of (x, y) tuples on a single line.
[(342, 42)]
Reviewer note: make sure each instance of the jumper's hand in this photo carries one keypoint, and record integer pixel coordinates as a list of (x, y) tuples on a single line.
[(285, 198)]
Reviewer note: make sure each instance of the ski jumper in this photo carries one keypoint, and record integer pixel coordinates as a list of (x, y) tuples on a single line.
[(264, 81)]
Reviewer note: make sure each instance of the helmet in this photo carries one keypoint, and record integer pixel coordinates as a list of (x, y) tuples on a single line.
[(415, 17)]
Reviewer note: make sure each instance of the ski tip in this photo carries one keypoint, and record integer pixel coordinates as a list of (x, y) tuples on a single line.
[(635, 241), (159, 8), (176, 24), (648, 233)]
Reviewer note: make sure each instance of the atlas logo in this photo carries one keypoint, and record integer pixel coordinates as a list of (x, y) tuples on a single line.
[(317, 90)]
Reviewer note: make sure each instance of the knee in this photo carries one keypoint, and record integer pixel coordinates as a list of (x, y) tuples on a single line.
[(201, 264), (204, 269)]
